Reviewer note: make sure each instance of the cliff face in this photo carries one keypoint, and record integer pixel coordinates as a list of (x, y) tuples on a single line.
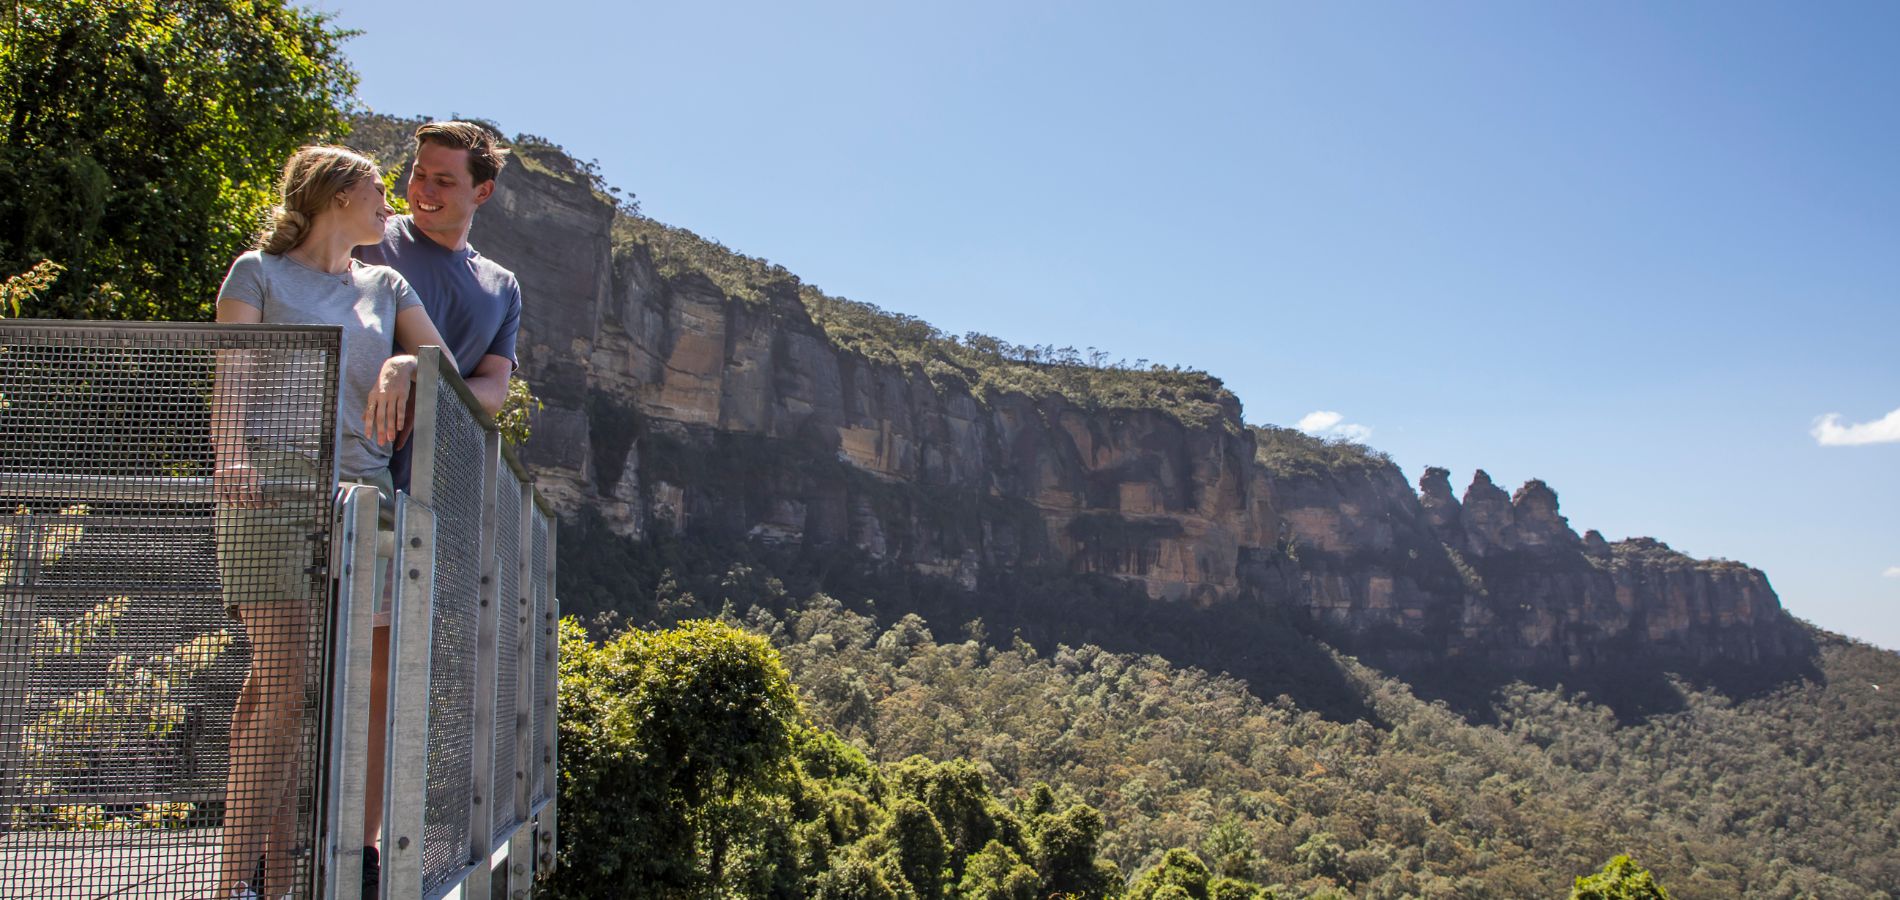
[(1503, 579), (674, 402)]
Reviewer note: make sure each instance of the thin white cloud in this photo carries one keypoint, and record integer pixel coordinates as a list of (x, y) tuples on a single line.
[(1318, 421), (1829, 431), (1324, 423), (1892, 572)]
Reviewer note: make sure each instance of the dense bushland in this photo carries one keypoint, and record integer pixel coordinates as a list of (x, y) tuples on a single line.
[(1287, 452), (689, 768), (1409, 797), (1788, 794)]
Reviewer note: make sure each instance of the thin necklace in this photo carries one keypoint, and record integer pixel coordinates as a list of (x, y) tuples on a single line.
[(347, 276)]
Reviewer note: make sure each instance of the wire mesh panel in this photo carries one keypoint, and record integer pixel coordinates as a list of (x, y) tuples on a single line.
[(164, 523), (543, 624), (508, 539), (455, 492)]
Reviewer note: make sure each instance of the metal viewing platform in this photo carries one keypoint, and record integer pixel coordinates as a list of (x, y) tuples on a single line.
[(185, 667)]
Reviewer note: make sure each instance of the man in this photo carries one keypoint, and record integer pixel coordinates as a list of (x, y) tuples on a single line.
[(475, 304)]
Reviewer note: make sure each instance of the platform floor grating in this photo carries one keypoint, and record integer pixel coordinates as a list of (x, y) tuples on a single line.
[(155, 865)]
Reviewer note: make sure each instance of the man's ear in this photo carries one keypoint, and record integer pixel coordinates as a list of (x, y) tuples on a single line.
[(483, 191)]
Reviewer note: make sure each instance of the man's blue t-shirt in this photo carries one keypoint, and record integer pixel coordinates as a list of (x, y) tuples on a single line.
[(474, 302)]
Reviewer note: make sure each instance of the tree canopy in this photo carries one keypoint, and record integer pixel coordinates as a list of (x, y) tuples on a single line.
[(689, 768), (1620, 879), (140, 141)]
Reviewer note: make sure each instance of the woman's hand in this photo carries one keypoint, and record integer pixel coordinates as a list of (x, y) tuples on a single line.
[(235, 484), (386, 412)]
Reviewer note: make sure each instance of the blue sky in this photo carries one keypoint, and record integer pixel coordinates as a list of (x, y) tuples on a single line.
[(1636, 250)]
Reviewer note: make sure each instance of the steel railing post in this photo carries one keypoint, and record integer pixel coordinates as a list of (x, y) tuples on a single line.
[(521, 843), (356, 569), (482, 755), (405, 773), (550, 737)]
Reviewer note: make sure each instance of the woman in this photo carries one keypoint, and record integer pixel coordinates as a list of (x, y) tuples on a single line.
[(300, 274)]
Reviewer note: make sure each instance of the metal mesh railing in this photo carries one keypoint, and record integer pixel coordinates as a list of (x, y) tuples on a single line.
[(456, 798), (508, 625), (455, 493), (164, 522), (166, 532), (542, 621)]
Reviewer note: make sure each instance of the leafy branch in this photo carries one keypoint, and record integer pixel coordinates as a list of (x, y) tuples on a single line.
[(27, 286), (136, 707)]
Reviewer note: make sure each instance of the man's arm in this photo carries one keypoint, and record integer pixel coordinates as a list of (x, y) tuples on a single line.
[(489, 384), (490, 380)]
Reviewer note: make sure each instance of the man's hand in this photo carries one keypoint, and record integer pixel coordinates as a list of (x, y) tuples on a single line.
[(386, 412)]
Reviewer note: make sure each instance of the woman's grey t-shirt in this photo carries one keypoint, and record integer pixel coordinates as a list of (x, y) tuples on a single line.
[(364, 300)]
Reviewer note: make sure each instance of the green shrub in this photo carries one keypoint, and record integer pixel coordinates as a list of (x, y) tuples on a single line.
[(688, 769), (1620, 879), (662, 736), (1179, 874)]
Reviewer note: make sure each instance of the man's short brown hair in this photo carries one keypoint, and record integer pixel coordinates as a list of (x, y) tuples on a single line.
[(486, 155)]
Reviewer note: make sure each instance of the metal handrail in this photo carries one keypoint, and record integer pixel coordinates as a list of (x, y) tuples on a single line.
[(109, 586), (412, 853), (63, 486), (364, 546)]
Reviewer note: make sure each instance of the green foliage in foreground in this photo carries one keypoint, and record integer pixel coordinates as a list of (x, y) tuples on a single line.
[(984, 365), (1181, 875), (20, 291), (1620, 879), (516, 416), (140, 141), (132, 714), (688, 768)]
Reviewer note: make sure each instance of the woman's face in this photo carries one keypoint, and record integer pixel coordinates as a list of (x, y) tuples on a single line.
[(361, 211)]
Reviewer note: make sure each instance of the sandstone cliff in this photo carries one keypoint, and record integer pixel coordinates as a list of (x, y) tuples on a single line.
[(690, 388)]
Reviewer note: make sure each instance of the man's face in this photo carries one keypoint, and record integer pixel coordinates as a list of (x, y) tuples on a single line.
[(443, 195)]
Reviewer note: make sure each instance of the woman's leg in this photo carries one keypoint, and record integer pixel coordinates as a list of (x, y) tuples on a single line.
[(243, 843), (261, 800), (264, 554)]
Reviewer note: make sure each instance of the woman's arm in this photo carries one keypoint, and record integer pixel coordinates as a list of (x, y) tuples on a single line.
[(386, 414), (233, 479), (415, 330)]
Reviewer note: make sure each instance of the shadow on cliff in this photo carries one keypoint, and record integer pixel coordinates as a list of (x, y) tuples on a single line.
[(1633, 689), (667, 577), (1046, 608)]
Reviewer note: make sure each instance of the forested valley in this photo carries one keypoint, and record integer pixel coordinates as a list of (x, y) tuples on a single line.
[(1788, 792)]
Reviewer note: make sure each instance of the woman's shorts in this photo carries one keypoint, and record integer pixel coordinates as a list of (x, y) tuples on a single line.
[(272, 551), (268, 550)]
